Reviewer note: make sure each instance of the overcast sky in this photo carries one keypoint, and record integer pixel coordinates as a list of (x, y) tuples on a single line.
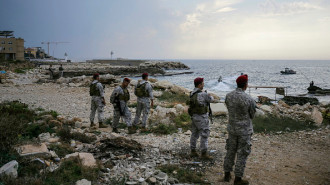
[(173, 29)]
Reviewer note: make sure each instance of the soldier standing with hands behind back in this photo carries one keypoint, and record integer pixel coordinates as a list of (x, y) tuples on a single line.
[(198, 110), (241, 110), (96, 90)]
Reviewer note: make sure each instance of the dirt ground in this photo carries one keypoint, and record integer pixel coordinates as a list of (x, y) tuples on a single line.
[(291, 158)]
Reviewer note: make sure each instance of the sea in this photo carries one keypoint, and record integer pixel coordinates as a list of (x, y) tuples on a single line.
[(260, 73)]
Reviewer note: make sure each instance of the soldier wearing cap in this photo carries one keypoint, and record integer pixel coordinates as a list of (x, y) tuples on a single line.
[(119, 99), (241, 110), (143, 91), (198, 110), (97, 103)]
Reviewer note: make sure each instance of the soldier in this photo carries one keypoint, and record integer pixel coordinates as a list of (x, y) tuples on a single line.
[(51, 71), (143, 91), (61, 71), (97, 92), (119, 99), (241, 110), (198, 110)]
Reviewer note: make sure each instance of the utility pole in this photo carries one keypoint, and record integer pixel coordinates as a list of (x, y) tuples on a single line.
[(111, 54), (52, 43)]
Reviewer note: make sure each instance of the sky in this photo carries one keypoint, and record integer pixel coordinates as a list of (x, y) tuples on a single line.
[(173, 29)]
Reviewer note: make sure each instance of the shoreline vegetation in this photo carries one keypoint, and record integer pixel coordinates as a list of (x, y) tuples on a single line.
[(45, 139)]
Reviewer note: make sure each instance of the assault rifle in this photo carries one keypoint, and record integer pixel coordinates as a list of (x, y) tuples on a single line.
[(210, 111), (117, 105)]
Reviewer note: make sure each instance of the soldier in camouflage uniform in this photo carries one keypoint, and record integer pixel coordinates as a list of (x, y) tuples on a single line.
[(119, 99), (143, 91), (198, 110), (241, 110), (97, 103)]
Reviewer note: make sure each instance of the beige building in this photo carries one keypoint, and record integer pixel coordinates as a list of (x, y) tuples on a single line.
[(11, 48)]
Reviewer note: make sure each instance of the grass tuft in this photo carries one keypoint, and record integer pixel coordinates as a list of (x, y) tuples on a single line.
[(182, 174)]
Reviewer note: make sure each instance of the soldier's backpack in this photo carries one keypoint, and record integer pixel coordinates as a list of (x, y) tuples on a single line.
[(194, 106), (93, 90), (141, 91)]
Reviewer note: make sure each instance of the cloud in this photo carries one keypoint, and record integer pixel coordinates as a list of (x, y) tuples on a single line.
[(271, 7), (226, 9)]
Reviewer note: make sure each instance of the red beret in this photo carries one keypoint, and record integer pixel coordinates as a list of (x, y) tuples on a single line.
[(127, 79), (198, 80), (96, 75), (145, 74), (242, 79)]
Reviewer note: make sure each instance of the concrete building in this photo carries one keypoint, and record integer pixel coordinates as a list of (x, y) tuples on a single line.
[(34, 53), (11, 48)]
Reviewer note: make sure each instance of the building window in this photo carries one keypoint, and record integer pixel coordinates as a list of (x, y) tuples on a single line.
[(10, 42), (10, 49), (3, 42)]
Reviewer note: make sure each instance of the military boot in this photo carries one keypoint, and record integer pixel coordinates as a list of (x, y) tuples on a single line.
[(206, 156), (194, 153), (240, 181), (92, 125), (131, 130), (101, 125), (227, 177), (115, 130)]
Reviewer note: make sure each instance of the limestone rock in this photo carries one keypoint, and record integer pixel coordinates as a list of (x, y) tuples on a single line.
[(179, 90), (83, 182), (219, 109), (259, 113), (215, 97), (179, 108), (266, 108), (86, 158), (28, 150), (9, 169), (44, 137), (317, 116), (163, 84)]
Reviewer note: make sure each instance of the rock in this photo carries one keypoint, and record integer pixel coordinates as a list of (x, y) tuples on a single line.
[(152, 80), (179, 90), (179, 108), (188, 132), (215, 97), (259, 113), (29, 150), (44, 137), (131, 182), (134, 82), (292, 100), (219, 109), (53, 140), (152, 180), (163, 85), (317, 116), (62, 80), (283, 104), (307, 114), (55, 122), (86, 158), (157, 94), (83, 182), (9, 169), (266, 108), (324, 103), (78, 124), (47, 117), (161, 176)]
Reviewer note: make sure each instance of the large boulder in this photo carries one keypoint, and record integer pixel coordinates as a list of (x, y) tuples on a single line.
[(219, 109), (9, 169), (32, 150), (179, 90), (83, 182), (317, 116), (292, 100), (163, 85), (87, 159), (266, 108)]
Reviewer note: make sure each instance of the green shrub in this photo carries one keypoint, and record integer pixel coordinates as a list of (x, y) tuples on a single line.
[(275, 124), (183, 175), (67, 136), (183, 121), (174, 98), (61, 150), (132, 105), (164, 129)]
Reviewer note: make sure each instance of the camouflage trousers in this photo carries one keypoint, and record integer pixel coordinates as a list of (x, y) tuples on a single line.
[(97, 104), (126, 116), (239, 145), (200, 127), (142, 106)]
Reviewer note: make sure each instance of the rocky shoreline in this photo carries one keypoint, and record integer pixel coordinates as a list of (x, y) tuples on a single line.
[(137, 157)]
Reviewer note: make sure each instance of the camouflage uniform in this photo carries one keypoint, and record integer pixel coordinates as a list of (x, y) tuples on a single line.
[(123, 107), (200, 122), (241, 109), (143, 104), (97, 103)]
